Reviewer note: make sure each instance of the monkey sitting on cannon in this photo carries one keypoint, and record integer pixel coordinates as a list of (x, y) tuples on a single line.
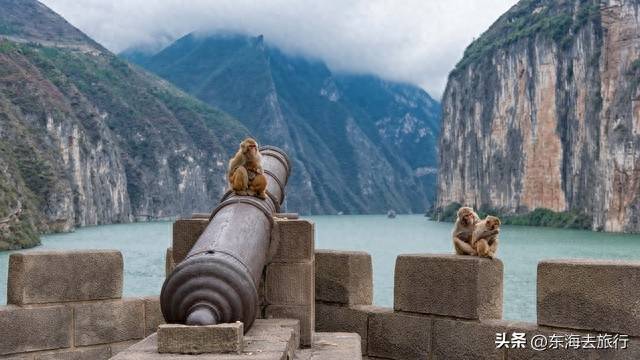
[(245, 172)]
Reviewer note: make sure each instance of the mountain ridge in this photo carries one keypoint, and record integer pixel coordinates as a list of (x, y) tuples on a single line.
[(88, 139), (322, 119)]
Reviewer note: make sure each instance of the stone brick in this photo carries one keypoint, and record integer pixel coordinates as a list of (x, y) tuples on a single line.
[(461, 286), (265, 337), (169, 264), (269, 324), (121, 346), (590, 295), (37, 277), (109, 321), (304, 313), (399, 336), (336, 318), (332, 346), (289, 283), (185, 234), (148, 350), (632, 352), (152, 315), (293, 239), (183, 339), (458, 339), (344, 277), (93, 353), (41, 328)]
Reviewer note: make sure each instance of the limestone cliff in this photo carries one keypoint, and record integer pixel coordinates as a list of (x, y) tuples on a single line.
[(543, 111), (87, 139)]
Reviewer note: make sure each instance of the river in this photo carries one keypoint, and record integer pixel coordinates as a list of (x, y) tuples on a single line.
[(143, 246)]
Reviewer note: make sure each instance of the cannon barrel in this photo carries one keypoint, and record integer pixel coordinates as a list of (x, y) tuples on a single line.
[(218, 280)]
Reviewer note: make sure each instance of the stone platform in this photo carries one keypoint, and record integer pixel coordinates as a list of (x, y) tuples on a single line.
[(268, 339)]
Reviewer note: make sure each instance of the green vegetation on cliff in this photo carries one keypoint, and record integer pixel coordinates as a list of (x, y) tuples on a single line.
[(527, 19), (537, 217), (87, 138)]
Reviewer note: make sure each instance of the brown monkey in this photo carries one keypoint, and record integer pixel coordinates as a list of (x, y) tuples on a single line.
[(245, 173), (463, 229), (485, 237)]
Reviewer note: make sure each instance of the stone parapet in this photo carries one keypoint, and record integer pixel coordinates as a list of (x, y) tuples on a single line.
[(344, 277), (37, 277), (590, 295), (466, 287)]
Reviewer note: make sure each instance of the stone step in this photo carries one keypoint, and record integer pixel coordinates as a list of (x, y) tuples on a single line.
[(268, 339), (332, 346)]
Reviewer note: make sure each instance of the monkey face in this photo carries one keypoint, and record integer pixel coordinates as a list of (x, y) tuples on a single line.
[(249, 147), (492, 222), (467, 216)]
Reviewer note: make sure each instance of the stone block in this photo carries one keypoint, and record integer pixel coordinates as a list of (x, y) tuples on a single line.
[(93, 353), (458, 339), (332, 346), (184, 339), (261, 325), (353, 319), (265, 337), (185, 234), (344, 277), (121, 346), (399, 336), (37, 277), (289, 283), (293, 240), (467, 287), (108, 321), (303, 313), (152, 314), (256, 344), (169, 264), (41, 328), (590, 294)]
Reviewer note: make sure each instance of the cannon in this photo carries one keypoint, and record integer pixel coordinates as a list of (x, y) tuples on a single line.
[(218, 280)]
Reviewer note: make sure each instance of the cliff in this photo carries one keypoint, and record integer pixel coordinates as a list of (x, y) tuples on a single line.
[(87, 139), (543, 112), (359, 144)]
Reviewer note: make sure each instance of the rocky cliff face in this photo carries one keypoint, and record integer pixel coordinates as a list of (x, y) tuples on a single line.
[(543, 111), (86, 138), (359, 144)]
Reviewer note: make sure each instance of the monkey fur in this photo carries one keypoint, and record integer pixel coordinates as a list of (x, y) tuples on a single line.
[(484, 239), (245, 172), (462, 231)]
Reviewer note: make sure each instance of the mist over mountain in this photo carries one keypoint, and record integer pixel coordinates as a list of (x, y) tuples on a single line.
[(359, 144)]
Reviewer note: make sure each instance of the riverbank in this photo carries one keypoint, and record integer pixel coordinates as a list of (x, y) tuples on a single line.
[(539, 217)]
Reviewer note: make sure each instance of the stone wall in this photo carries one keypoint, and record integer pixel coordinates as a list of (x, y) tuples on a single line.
[(450, 307), (69, 305)]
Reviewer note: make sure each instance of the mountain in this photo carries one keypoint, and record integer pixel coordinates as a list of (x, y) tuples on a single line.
[(87, 138), (359, 144), (543, 112)]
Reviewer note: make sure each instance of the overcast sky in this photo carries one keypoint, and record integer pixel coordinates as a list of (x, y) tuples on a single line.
[(415, 41)]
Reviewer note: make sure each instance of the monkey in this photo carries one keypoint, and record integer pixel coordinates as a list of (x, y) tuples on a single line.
[(245, 172), (463, 229), (486, 245)]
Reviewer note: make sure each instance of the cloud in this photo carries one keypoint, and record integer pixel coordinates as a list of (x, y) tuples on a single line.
[(415, 41)]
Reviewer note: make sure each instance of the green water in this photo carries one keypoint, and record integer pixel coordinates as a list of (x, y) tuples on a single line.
[(143, 247)]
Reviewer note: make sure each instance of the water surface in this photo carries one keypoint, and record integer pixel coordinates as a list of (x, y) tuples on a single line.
[(143, 247)]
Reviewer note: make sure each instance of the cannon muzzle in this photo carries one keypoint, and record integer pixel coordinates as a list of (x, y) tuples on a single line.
[(218, 280)]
